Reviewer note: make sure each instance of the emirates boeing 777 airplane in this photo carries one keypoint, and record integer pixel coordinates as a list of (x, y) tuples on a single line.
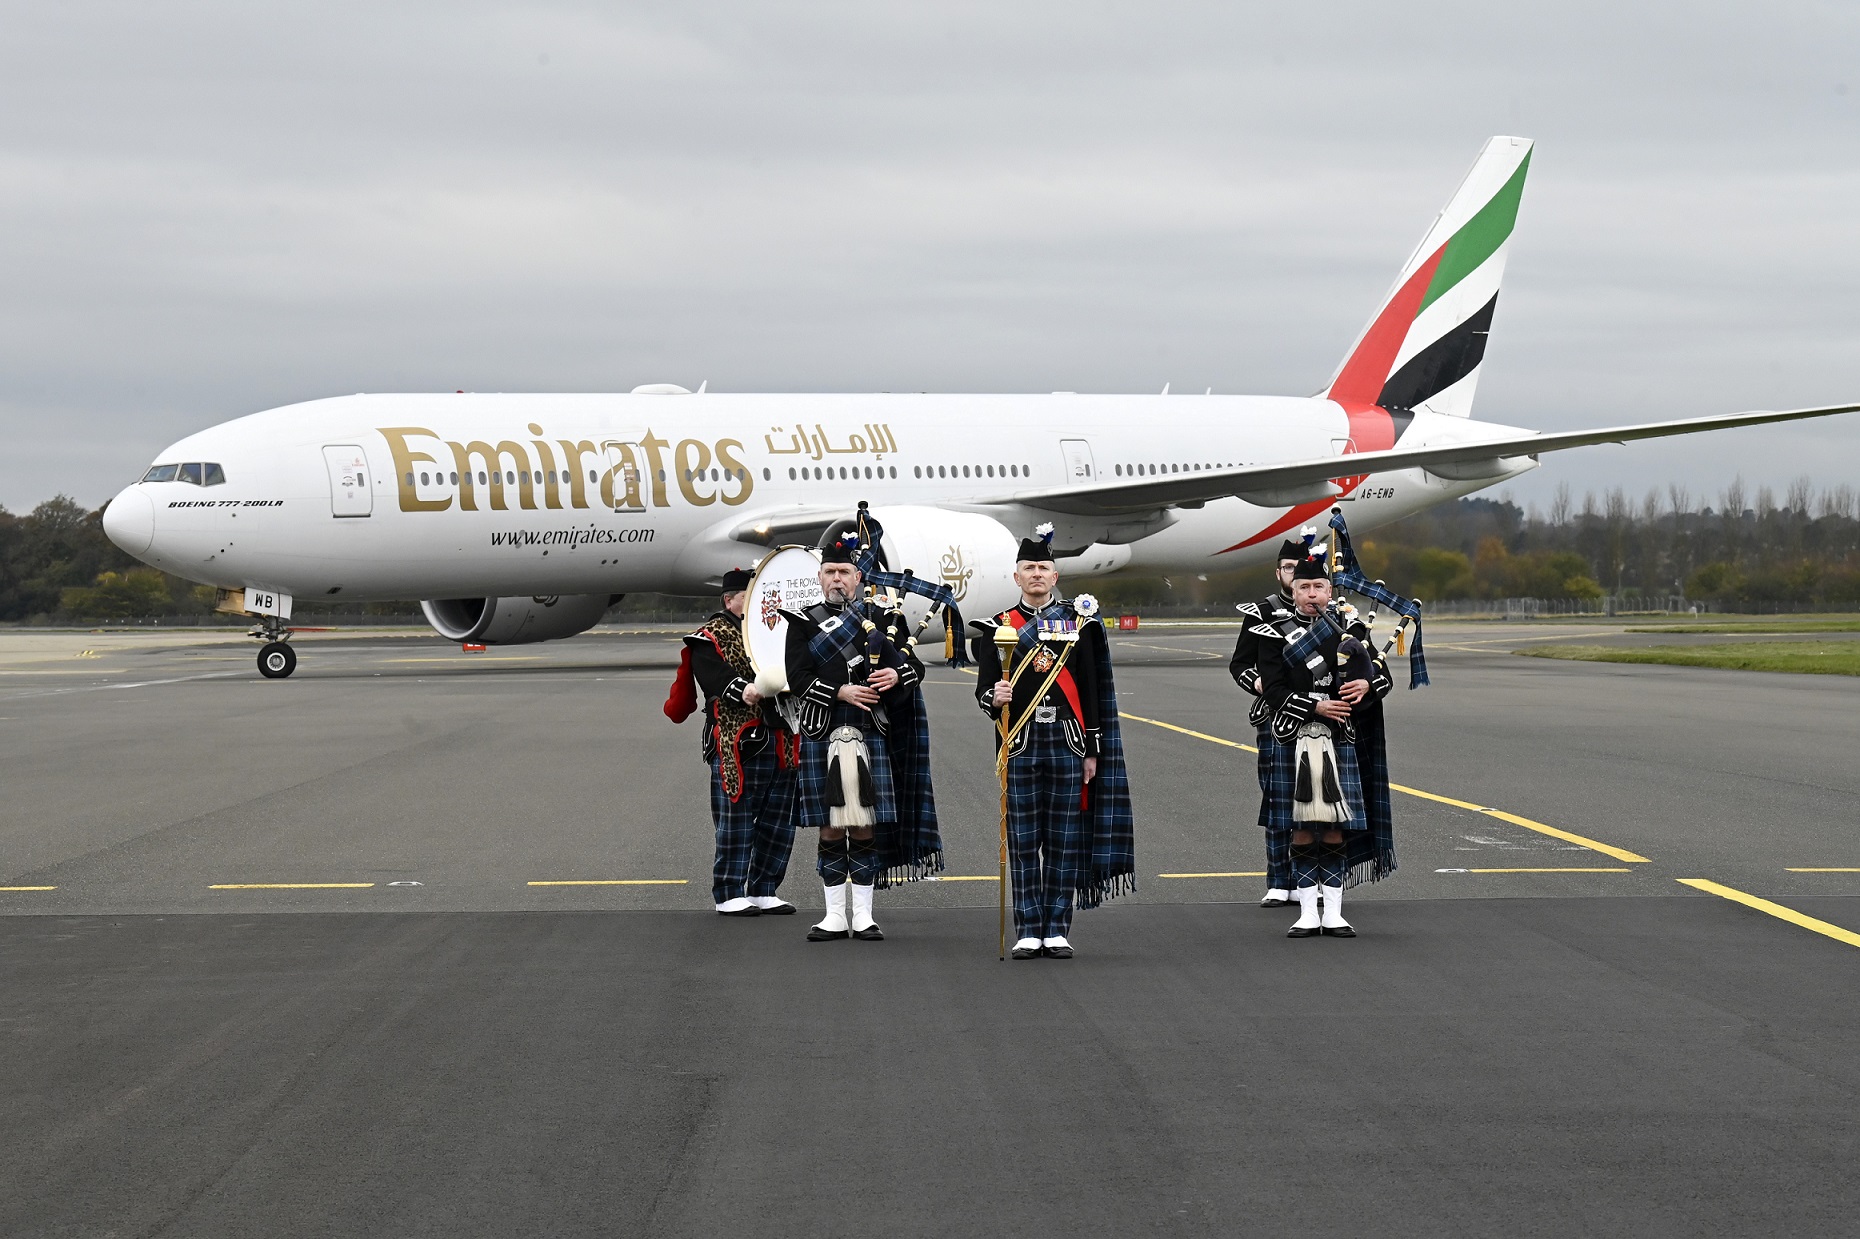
[(521, 518)]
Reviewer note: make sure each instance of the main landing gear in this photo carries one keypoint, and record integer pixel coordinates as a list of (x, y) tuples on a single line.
[(276, 658)]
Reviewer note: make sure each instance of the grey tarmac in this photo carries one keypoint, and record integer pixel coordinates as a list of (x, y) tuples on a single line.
[(1530, 1036)]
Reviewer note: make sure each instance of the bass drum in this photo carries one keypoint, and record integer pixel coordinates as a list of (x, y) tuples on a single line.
[(787, 579)]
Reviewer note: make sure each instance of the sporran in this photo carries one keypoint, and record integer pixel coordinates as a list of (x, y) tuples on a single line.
[(1317, 795)]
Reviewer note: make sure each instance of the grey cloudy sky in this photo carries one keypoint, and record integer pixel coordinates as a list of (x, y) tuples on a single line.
[(208, 209)]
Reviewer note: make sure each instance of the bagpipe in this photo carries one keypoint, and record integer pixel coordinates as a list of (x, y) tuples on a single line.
[(872, 565), (1346, 573)]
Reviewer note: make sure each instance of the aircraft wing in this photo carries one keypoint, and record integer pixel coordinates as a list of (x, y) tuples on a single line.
[(1305, 481)]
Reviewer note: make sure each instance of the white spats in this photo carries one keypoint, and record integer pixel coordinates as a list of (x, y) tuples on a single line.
[(1333, 908), (770, 903), (1276, 898), (737, 906), (1308, 916), (1027, 944), (833, 924), (863, 926)]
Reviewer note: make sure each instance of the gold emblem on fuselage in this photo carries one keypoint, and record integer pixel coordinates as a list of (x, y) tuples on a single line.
[(955, 572)]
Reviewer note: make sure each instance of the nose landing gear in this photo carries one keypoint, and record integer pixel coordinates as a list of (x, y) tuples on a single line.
[(276, 658)]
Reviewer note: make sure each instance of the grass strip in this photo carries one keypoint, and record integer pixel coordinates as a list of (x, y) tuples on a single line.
[(1810, 657)]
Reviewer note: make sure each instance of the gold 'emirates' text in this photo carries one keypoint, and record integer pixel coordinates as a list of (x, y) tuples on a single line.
[(564, 473)]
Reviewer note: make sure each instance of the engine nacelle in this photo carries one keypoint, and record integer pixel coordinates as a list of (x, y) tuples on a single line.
[(516, 621), (970, 553)]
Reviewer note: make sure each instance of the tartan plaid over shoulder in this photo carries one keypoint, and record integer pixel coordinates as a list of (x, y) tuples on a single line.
[(1108, 812)]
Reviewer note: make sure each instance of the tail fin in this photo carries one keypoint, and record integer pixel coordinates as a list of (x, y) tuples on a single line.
[(1424, 346)]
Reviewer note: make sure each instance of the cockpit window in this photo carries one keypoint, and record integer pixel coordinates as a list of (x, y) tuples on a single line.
[(199, 473)]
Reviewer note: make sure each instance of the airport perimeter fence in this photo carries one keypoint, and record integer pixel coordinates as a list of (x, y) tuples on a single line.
[(1537, 608)]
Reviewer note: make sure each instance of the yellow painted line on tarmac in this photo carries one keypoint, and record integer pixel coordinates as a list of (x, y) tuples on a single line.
[(1557, 870), (1773, 909), (615, 882), (290, 886), (1199, 735), (1260, 874), (1593, 845), (953, 877), (1822, 871), (1458, 804), (28, 888), (1605, 849)]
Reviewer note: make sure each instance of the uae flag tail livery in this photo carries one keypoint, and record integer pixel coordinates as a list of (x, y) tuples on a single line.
[(1423, 347)]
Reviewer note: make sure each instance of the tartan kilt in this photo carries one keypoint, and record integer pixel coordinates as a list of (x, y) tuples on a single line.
[(768, 792), (812, 781), (1263, 741), (1281, 777)]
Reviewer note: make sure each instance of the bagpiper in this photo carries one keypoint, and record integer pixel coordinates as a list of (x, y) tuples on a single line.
[(1259, 620), (752, 755), (853, 680), (1069, 823), (1321, 676)]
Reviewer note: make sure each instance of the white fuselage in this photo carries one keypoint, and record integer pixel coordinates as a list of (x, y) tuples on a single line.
[(621, 493)]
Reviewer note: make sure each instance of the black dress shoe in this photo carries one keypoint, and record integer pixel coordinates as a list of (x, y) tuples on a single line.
[(1024, 952), (1342, 931), (780, 909), (1275, 903), (871, 933), (1298, 931), (817, 934), (1056, 952)]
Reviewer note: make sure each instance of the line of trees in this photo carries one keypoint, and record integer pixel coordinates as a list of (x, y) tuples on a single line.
[(1735, 549), (1739, 550), (55, 563)]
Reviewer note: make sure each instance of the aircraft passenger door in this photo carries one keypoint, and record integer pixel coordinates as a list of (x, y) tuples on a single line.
[(1079, 468), (349, 490), (625, 485)]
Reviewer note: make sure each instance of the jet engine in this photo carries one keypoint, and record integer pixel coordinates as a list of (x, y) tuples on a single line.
[(516, 621), (970, 553)]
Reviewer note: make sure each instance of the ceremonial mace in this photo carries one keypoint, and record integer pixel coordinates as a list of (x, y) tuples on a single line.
[(1007, 639)]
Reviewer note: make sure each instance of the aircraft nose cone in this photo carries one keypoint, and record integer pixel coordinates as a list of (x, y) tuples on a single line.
[(129, 521)]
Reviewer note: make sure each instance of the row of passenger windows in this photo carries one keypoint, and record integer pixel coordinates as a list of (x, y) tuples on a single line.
[(1005, 471), (1131, 471), (197, 472), (509, 478), (594, 477), (842, 472), (167, 473)]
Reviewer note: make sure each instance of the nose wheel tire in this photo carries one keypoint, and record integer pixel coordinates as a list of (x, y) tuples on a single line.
[(276, 660)]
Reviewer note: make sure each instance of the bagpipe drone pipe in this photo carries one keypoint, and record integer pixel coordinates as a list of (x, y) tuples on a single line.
[(873, 567)]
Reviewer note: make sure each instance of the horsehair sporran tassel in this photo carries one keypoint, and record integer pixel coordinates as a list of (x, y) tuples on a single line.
[(1333, 790)]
